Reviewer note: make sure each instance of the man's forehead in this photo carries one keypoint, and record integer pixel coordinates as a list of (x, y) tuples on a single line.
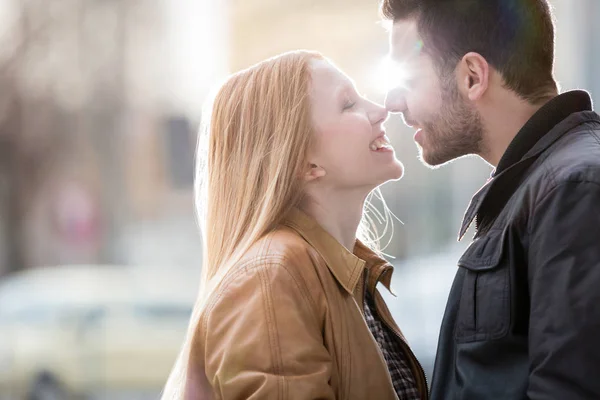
[(404, 40)]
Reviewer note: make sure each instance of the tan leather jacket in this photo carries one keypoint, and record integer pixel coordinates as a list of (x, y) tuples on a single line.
[(287, 323)]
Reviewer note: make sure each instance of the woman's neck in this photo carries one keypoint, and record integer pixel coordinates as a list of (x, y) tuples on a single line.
[(338, 213)]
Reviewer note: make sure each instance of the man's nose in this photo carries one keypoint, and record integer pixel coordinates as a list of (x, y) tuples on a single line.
[(395, 100)]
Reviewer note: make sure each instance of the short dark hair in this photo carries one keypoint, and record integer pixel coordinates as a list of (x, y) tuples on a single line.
[(516, 37)]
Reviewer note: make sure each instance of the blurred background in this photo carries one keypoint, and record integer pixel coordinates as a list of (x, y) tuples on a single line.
[(100, 101)]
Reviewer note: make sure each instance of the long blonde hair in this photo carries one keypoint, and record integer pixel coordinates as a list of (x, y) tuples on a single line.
[(250, 161)]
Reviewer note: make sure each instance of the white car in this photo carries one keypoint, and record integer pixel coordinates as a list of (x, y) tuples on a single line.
[(101, 332)]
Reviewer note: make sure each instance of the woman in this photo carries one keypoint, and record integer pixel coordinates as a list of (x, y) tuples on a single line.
[(288, 306)]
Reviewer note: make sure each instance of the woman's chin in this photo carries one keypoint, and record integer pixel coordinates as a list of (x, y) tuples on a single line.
[(397, 171), (394, 173)]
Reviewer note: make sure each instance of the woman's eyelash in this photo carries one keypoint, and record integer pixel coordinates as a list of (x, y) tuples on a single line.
[(349, 104)]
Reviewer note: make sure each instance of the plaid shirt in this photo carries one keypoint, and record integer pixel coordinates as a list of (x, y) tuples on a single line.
[(401, 374)]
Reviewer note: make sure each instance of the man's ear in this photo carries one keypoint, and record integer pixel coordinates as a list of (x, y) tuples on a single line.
[(473, 76), (314, 172)]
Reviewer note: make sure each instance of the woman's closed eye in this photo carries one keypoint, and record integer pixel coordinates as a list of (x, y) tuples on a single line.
[(349, 104)]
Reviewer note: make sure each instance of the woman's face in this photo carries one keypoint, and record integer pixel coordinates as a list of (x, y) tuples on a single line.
[(350, 144)]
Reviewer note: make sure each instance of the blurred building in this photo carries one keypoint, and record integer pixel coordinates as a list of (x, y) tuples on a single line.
[(101, 101), (99, 108)]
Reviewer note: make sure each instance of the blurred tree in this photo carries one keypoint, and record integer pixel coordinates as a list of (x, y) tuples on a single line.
[(61, 85), (23, 161)]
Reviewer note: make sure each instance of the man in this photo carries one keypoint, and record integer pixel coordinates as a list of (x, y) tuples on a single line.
[(523, 315)]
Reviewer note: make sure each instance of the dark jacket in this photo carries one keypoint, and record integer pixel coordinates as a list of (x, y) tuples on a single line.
[(523, 315)]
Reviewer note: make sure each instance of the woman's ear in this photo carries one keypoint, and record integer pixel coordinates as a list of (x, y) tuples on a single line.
[(314, 172)]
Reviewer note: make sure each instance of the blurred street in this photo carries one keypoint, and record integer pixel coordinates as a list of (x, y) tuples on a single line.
[(100, 101)]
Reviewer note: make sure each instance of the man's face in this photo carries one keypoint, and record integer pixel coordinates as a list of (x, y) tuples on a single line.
[(447, 125)]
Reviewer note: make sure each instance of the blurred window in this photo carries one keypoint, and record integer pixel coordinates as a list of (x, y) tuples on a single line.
[(180, 152), (163, 311)]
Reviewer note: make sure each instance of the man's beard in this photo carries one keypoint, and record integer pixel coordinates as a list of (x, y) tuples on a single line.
[(456, 131)]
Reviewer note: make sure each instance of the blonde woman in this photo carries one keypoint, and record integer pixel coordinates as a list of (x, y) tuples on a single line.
[(289, 307)]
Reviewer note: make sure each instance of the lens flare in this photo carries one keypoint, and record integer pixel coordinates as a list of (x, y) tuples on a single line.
[(390, 74)]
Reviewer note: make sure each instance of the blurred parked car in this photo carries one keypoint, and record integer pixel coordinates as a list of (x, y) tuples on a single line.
[(93, 332)]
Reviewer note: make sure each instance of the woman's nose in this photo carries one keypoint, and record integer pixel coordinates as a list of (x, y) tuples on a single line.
[(378, 114)]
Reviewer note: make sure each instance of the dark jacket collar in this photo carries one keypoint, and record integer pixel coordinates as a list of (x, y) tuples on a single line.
[(545, 127), (548, 116)]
